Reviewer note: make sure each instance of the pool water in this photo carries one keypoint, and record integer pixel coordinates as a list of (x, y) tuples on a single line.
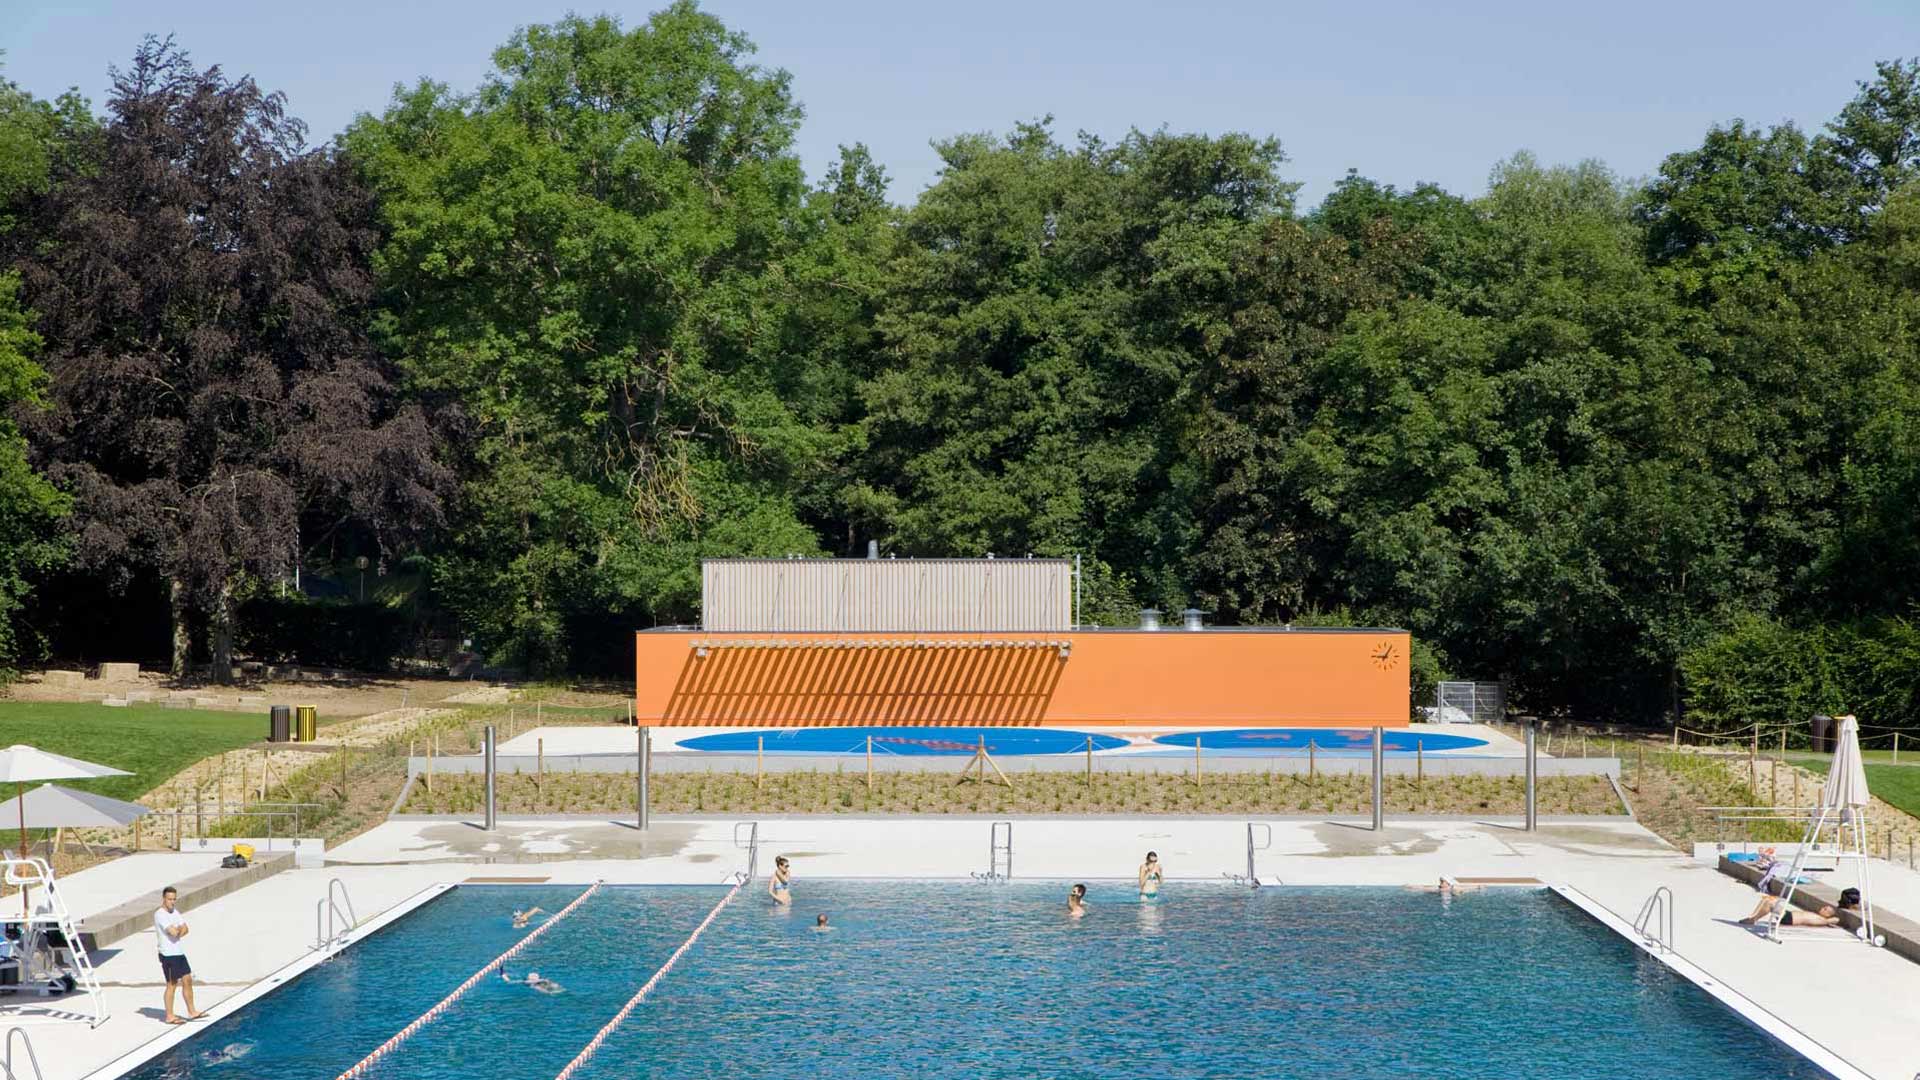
[(917, 741), (962, 980), (1332, 741)]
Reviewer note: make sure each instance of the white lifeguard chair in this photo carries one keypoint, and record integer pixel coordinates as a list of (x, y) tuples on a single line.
[(48, 956), (1837, 832)]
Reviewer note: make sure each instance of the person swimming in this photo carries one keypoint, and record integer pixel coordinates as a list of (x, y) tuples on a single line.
[(820, 923), (780, 884), (522, 918), (227, 1053), (535, 980), (1150, 877), (1076, 901)]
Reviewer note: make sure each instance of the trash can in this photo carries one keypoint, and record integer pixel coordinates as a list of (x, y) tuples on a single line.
[(308, 719), (278, 721), (1822, 740)]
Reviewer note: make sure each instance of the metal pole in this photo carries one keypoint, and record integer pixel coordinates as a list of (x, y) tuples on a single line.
[(645, 756), (1196, 761), (1533, 772), (1379, 762), (1076, 591), (490, 802)]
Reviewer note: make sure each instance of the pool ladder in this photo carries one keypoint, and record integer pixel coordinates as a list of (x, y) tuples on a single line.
[(1266, 841), (337, 916), (751, 843), (1656, 920), (6, 1064), (999, 853)]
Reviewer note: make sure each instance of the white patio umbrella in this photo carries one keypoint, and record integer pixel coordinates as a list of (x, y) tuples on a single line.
[(1847, 777), (56, 807), (22, 764)]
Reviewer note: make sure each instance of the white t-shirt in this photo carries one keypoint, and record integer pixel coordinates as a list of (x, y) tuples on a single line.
[(163, 921)]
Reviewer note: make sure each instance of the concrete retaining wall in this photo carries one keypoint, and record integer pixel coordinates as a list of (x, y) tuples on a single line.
[(128, 919)]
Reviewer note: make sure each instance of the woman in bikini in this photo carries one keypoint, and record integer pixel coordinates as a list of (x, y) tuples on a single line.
[(1150, 876), (780, 884)]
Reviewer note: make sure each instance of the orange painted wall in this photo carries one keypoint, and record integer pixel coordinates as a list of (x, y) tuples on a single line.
[(1214, 677)]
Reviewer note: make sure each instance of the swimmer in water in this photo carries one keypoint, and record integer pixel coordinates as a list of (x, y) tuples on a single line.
[(1076, 901), (229, 1052), (1447, 887), (820, 923), (1150, 876), (522, 918), (780, 885), (534, 980)]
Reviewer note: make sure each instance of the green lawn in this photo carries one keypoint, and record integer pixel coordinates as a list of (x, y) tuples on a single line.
[(150, 742), (1897, 784)]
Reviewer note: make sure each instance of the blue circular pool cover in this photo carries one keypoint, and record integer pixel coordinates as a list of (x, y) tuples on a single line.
[(1322, 738), (905, 741)]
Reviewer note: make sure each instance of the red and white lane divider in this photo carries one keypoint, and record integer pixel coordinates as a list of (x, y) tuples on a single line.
[(428, 1017), (634, 1002)]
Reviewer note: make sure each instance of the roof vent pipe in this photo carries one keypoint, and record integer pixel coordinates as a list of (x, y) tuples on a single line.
[(1149, 618), (1192, 617), (873, 549)]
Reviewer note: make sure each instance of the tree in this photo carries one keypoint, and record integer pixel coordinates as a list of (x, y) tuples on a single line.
[(201, 282), (606, 259), (33, 135)]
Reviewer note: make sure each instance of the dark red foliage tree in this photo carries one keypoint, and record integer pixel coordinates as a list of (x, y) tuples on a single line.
[(204, 285)]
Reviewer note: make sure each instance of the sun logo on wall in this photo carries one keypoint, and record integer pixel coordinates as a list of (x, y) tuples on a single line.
[(1386, 656)]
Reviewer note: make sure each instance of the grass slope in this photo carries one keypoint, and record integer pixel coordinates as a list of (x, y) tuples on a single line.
[(152, 743)]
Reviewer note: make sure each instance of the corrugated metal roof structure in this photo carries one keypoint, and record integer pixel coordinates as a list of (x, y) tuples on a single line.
[(886, 595)]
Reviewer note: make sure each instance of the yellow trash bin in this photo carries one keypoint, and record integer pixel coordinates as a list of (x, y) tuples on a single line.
[(307, 719)]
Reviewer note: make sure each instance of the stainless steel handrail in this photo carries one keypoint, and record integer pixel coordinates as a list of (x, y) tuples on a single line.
[(995, 848), (326, 910), (32, 1058), (1655, 923), (752, 845)]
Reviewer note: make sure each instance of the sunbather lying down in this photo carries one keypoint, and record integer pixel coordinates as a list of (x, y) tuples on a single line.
[(1826, 916)]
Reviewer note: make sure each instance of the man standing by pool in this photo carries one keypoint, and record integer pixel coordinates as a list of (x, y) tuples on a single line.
[(169, 925)]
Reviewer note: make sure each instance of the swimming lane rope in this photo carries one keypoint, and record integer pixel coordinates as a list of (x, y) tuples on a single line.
[(646, 988), (473, 980)]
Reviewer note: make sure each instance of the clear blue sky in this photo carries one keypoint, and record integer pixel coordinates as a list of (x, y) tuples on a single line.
[(1403, 91)]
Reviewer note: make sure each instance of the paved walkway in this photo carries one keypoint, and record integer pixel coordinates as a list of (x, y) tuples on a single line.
[(1862, 1003)]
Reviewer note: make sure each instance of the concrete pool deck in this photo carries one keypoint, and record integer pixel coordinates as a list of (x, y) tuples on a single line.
[(1862, 1004)]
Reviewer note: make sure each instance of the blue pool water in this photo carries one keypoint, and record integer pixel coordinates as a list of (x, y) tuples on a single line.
[(956, 980), (1333, 740), (905, 741)]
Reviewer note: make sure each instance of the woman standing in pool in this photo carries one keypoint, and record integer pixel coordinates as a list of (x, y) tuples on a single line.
[(780, 884), (1076, 905), (1150, 876)]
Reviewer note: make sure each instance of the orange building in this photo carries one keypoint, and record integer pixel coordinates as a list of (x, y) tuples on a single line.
[(827, 642), (1224, 677)]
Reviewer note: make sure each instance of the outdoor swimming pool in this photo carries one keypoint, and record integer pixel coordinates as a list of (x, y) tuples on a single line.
[(1336, 741), (965, 980), (904, 741)]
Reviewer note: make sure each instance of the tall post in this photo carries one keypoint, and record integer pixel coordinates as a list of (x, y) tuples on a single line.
[(644, 755), (1533, 772), (1311, 772), (491, 808), (1420, 762), (869, 763), (1379, 767), (1089, 763), (1196, 760)]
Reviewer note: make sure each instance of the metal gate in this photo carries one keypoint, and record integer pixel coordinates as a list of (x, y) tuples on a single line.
[(1469, 703)]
